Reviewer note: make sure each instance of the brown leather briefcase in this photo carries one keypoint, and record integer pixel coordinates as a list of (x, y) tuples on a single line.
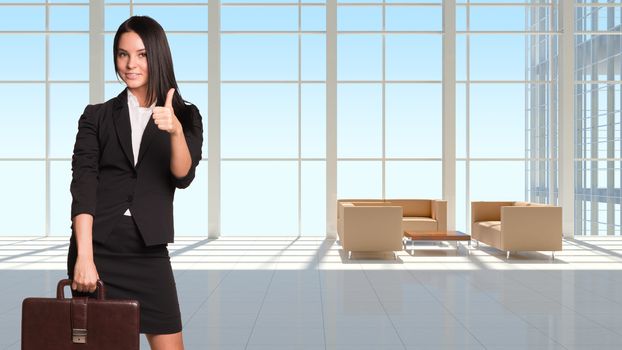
[(80, 323)]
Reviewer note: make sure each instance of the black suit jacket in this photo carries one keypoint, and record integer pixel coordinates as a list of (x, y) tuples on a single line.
[(105, 181)]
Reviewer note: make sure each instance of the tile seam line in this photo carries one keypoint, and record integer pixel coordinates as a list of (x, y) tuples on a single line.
[(475, 285), (446, 309), (383, 308), (263, 300), (212, 292)]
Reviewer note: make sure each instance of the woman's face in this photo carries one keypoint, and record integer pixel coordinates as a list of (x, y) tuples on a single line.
[(132, 62)]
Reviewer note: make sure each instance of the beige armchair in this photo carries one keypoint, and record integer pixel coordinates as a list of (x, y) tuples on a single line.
[(369, 227), (517, 226)]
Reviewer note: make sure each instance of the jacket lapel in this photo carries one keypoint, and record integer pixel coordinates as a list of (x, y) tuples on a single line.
[(150, 131), (122, 125)]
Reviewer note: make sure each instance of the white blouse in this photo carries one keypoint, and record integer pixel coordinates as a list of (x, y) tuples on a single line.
[(139, 117)]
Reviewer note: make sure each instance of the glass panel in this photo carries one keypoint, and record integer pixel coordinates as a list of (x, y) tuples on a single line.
[(112, 90), (359, 18), (418, 179), (109, 62), (69, 18), (265, 125), (313, 57), (487, 18), (498, 57), (598, 57), (176, 18), (502, 1), (114, 16), (359, 120), (461, 121), (260, 198), (313, 200), (259, 18), (189, 56), (27, 1), (414, 18), (191, 205), (264, 1), (413, 1), (359, 179), (463, 223), (461, 57), (606, 19), (497, 120), (164, 1), (392, 1), (23, 117), (313, 18), (23, 203), (414, 57), (359, 57), (497, 180), (414, 120), (60, 198), (196, 93), (69, 57), (259, 57), (23, 61), (313, 121), (67, 103), (461, 18), (22, 18)]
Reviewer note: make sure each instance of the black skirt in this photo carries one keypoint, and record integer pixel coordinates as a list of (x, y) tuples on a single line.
[(131, 270)]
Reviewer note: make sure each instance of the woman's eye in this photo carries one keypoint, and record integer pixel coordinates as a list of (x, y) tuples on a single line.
[(142, 55), (121, 54)]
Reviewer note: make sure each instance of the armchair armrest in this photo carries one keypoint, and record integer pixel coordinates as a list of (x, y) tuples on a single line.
[(372, 228), (439, 213), (531, 228), (340, 214)]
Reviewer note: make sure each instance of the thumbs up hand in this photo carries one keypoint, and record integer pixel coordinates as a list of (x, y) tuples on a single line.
[(164, 117)]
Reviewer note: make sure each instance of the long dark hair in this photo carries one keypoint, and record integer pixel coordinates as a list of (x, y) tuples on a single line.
[(159, 59)]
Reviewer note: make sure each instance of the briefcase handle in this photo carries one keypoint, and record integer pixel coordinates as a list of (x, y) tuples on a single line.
[(60, 290)]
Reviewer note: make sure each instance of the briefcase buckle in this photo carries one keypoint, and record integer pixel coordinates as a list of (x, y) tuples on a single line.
[(79, 336)]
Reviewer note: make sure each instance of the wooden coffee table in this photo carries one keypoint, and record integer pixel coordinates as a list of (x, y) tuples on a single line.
[(456, 236)]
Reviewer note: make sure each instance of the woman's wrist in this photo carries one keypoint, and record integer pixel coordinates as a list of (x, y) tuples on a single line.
[(179, 131)]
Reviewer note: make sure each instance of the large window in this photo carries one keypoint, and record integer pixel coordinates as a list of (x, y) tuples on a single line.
[(276, 129), (273, 118), (597, 123), (505, 117), (389, 98), (44, 84)]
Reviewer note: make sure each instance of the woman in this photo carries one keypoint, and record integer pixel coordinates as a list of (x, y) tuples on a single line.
[(131, 152)]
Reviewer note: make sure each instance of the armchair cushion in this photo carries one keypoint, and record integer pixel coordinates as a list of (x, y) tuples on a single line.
[(488, 232)]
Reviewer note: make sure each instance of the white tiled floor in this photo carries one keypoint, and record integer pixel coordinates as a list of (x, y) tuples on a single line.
[(301, 293)]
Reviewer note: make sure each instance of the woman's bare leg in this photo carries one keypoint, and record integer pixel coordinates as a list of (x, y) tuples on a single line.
[(166, 341)]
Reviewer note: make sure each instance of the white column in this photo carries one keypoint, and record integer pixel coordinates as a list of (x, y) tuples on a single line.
[(331, 119), (96, 52), (213, 121), (449, 110), (566, 117)]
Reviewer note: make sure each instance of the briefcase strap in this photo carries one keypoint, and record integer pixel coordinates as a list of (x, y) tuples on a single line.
[(78, 320)]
